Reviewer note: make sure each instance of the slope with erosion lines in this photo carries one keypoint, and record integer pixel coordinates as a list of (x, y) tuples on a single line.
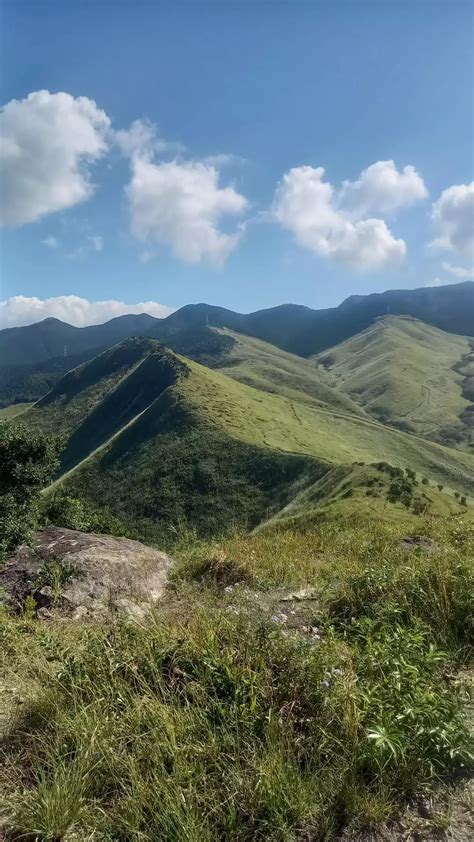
[(263, 366), (331, 435), (93, 402), (408, 374)]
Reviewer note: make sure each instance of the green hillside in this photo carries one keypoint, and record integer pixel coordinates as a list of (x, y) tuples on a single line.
[(362, 493), (34, 357), (9, 412), (263, 366), (159, 439), (408, 374)]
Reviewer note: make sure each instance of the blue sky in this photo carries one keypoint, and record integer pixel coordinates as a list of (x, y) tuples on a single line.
[(249, 100)]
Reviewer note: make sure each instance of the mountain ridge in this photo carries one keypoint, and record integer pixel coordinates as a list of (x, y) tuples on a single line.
[(160, 439), (33, 357)]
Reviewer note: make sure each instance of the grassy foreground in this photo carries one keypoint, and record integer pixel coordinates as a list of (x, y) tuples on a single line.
[(248, 708)]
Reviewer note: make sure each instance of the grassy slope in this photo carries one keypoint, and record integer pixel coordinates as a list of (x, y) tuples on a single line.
[(200, 448), (245, 711), (405, 372), (265, 367), (9, 412), (272, 421), (207, 437), (359, 492)]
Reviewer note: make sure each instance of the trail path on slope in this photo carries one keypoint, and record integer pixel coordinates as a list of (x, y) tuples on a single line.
[(98, 449)]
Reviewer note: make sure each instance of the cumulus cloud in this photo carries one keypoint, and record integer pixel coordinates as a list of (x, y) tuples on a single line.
[(381, 188), (459, 271), (48, 142), (311, 209), (141, 138), (21, 310), (181, 205), (453, 219)]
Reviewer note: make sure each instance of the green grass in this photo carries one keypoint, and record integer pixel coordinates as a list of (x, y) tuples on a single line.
[(333, 436), (163, 442), (9, 412), (269, 369), (220, 720), (361, 492), (406, 373)]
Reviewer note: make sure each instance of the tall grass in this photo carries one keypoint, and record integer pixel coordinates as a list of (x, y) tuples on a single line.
[(212, 722)]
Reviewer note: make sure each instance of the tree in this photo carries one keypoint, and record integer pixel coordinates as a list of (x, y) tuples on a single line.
[(28, 461)]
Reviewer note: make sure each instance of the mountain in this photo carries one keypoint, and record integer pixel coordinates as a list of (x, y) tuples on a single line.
[(305, 332), (52, 338), (293, 328), (163, 441), (410, 375)]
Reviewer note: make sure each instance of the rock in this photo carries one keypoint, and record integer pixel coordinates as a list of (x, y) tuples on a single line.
[(300, 596), (419, 542), (43, 614), (80, 612), (45, 597), (98, 575)]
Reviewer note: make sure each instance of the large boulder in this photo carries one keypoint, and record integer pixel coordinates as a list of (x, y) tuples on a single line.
[(77, 574)]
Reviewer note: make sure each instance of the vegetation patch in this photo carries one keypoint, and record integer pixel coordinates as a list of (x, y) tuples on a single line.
[(216, 722)]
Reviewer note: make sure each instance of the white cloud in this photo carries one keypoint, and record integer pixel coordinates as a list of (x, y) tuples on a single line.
[(48, 144), (459, 271), (51, 242), (453, 218), (381, 188), (436, 282), (181, 205), (21, 310), (308, 206)]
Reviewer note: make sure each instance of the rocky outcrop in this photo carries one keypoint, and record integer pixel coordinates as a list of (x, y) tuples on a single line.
[(69, 573)]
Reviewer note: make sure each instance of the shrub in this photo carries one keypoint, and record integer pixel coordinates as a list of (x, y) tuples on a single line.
[(72, 513), (27, 463)]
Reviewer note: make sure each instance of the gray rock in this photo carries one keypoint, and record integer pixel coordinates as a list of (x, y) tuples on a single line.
[(100, 574), (419, 542)]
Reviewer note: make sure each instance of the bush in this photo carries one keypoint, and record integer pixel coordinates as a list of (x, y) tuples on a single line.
[(72, 513), (28, 462)]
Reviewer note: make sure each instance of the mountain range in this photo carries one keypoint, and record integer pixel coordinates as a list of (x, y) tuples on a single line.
[(200, 420)]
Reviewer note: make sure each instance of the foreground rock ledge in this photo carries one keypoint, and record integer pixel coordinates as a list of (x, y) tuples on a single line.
[(78, 574)]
